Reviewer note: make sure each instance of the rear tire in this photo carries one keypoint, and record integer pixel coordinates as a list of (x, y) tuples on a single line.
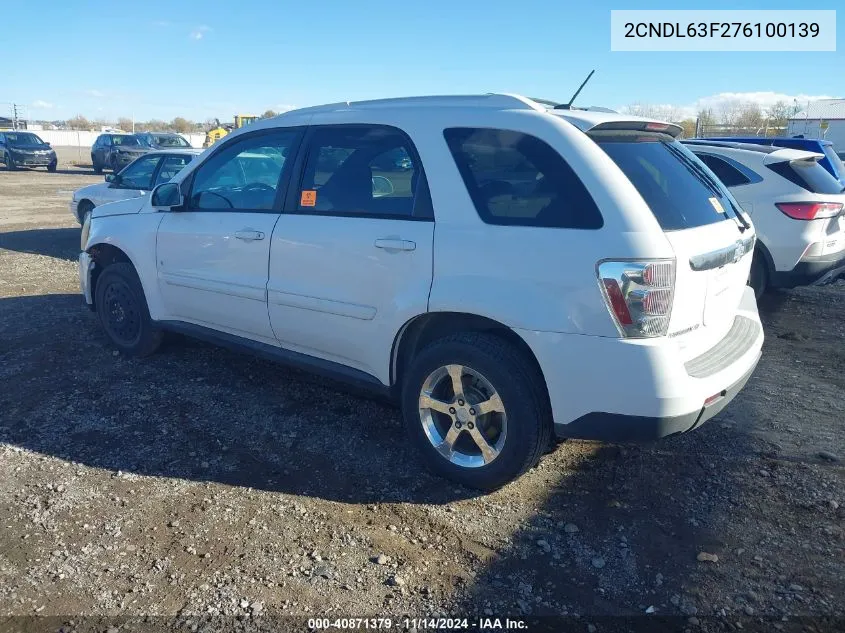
[(514, 438), (122, 309), (758, 277)]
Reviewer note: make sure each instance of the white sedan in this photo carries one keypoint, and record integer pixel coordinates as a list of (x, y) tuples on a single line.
[(133, 181)]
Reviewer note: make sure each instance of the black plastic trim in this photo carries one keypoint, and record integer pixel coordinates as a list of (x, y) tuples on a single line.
[(355, 378)]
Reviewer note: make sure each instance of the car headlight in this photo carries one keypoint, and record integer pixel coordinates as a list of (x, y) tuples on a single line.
[(86, 230)]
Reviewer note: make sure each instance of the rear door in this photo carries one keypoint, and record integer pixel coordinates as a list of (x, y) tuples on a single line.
[(351, 258), (213, 255), (699, 218)]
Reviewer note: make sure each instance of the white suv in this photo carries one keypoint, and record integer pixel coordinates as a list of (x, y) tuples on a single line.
[(503, 268), (798, 209)]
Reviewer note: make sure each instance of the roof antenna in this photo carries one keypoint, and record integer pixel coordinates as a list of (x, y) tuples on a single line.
[(568, 106)]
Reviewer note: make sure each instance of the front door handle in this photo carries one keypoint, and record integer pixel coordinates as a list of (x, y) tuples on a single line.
[(395, 244), (249, 235)]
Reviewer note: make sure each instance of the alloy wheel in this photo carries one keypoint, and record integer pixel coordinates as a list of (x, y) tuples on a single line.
[(463, 416)]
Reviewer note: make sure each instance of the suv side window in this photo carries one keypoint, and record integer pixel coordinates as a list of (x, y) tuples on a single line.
[(170, 166), (517, 179), (139, 175), (105, 141), (362, 170), (245, 174), (729, 175)]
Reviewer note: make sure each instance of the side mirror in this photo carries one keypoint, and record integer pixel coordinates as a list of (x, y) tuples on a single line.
[(167, 196), (111, 177)]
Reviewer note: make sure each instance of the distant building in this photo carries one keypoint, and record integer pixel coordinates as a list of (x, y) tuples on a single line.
[(821, 119)]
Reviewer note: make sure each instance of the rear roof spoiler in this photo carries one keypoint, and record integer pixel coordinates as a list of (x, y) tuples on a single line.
[(791, 155), (639, 126)]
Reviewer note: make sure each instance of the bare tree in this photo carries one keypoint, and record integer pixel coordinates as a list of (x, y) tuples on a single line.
[(79, 122), (181, 125), (124, 124), (268, 114)]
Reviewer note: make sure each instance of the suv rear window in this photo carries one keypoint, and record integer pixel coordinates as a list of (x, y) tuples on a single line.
[(680, 191), (518, 180), (809, 175)]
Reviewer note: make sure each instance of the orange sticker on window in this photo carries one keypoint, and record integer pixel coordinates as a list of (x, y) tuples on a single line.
[(308, 198)]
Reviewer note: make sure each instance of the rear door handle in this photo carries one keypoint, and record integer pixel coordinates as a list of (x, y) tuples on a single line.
[(395, 244), (249, 235)]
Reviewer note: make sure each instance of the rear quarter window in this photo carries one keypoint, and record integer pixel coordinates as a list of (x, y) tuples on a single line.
[(680, 191), (516, 179), (809, 175)]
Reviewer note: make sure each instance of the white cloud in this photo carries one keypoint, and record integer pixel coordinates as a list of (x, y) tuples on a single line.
[(95, 93), (284, 107), (199, 32), (42, 105), (162, 23)]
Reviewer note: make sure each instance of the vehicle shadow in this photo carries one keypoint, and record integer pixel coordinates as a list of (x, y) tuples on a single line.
[(196, 412), (60, 243)]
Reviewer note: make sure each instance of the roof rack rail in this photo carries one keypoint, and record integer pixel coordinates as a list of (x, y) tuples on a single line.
[(498, 101)]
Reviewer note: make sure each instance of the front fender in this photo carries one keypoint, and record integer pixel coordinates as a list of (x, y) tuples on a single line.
[(135, 236)]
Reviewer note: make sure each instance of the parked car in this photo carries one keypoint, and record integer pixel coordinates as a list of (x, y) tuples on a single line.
[(163, 140), (25, 149), (115, 151), (797, 206), (829, 158), (134, 181), (587, 276)]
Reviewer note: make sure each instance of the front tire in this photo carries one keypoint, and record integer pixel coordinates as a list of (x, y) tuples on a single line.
[(10, 163), (474, 409), (758, 277), (85, 209), (122, 310), (98, 169), (51, 167)]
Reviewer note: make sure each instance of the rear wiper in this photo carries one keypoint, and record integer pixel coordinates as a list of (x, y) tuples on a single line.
[(711, 185)]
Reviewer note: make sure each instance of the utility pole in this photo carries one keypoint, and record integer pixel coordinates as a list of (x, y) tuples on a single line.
[(14, 116)]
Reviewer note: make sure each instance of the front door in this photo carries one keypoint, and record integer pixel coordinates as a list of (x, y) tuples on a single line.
[(351, 258), (213, 255)]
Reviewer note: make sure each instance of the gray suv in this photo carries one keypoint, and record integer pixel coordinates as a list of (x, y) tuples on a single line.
[(115, 151)]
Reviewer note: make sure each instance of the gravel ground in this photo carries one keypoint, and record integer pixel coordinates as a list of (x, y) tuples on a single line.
[(200, 482)]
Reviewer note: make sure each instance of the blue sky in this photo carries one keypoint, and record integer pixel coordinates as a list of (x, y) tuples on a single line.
[(208, 59)]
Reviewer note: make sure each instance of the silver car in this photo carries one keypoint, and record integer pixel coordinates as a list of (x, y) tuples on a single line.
[(133, 181)]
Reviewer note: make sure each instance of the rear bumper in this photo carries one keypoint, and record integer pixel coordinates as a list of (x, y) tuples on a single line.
[(620, 427), (811, 270), (612, 389)]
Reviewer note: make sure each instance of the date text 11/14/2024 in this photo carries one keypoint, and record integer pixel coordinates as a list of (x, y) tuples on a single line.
[(419, 624)]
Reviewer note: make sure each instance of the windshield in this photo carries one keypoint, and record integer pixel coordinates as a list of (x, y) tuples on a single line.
[(26, 138), (679, 189), (125, 140), (169, 140)]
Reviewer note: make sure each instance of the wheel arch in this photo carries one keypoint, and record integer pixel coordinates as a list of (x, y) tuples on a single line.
[(104, 254), (421, 330)]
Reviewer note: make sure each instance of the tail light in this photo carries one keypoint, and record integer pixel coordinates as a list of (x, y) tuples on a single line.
[(809, 210), (639, 295)]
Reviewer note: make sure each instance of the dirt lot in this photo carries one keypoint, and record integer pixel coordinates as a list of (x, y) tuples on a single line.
[(201, 483)]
